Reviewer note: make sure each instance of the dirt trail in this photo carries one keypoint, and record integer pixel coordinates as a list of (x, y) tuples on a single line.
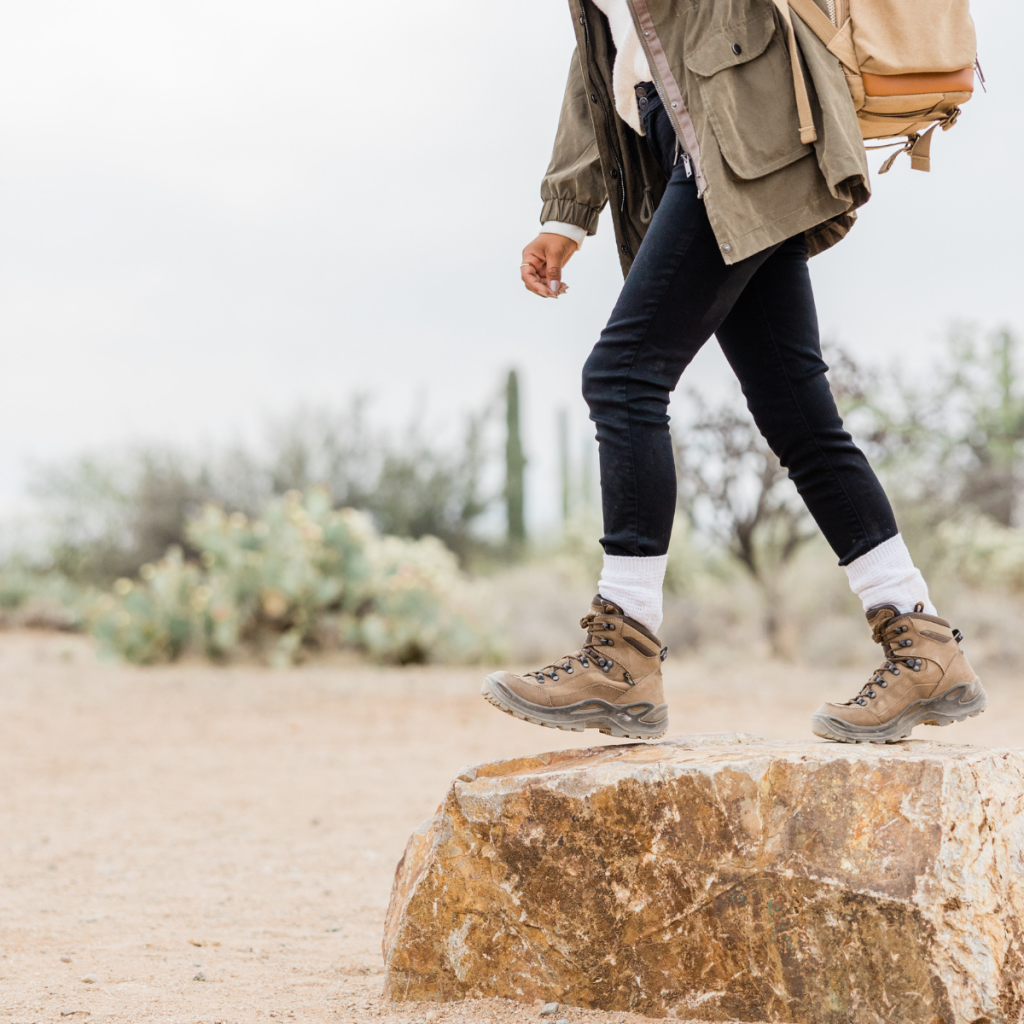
[(218, 844)]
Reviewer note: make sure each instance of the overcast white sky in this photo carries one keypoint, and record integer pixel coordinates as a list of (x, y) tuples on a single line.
[(215, 210)]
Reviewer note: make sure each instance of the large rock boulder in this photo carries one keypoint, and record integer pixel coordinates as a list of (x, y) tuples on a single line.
[(722, 878)]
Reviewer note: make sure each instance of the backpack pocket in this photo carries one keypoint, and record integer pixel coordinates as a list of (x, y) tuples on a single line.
[(894, 37), (746, 85)]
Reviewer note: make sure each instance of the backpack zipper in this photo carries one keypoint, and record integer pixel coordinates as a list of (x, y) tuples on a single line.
[(904, 115)]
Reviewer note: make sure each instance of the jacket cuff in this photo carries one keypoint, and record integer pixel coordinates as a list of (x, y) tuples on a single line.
[(567, 211), (554, 227)]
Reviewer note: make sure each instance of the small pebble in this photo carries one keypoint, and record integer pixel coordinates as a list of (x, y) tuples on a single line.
[(549, 1009), (199, 976), (90, 979), (564, 1020), (65, 959)]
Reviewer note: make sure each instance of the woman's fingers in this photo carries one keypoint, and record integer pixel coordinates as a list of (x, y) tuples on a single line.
[(532, 273), (543, 260)]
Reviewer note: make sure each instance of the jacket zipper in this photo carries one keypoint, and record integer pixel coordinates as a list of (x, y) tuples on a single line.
[(608, 126), (665, 101)]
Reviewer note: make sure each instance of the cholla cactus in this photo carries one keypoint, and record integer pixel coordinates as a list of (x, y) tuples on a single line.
[(300, 575)]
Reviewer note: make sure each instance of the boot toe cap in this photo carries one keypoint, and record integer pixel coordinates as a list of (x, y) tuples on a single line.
[(526, 688)]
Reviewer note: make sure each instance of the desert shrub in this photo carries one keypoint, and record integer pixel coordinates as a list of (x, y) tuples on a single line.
[(108, 515), (300, 576), (45, 600), (981, 552)]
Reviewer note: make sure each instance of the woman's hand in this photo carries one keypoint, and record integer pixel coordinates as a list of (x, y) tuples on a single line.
[(543, 260)]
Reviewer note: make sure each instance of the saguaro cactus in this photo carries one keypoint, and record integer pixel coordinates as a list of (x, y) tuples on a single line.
[(515, 463), (563, 464)]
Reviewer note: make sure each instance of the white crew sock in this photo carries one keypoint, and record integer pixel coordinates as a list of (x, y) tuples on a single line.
[(635, 585), (887, 575)]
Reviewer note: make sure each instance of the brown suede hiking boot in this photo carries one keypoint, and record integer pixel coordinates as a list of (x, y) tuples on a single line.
[(612, 684), (926, 679)]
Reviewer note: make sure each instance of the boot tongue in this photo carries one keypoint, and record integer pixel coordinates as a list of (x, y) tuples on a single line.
[(881, 613), (602, 606), (879, 618)]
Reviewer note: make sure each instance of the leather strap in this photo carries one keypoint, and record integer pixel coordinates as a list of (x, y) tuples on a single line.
[(803, 102), (920, 151), (815, 19), (834, 37)]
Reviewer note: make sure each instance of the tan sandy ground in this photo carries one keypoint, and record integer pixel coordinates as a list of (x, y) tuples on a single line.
[(218, 844)]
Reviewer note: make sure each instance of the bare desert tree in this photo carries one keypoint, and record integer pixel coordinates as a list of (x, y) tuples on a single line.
[(733, 489)]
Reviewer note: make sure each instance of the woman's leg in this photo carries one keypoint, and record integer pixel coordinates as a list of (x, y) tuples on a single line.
[(770, 338), (675, 297)]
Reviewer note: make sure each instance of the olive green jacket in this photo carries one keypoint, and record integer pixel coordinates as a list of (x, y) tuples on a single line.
[(723, 69)]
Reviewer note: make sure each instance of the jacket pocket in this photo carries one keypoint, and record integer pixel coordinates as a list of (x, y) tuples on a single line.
[(746, 85)]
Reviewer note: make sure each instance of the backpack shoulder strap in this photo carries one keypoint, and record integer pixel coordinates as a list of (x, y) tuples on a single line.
[(835, 38), (803, 102), (815, 19)]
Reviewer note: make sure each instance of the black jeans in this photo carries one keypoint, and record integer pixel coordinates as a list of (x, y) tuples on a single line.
[(677, 294)]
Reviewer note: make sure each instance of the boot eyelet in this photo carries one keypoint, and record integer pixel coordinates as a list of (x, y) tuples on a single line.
[(554, 676), (540, 677)]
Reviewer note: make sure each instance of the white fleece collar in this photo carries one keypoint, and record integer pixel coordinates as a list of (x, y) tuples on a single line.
[(630, 62)]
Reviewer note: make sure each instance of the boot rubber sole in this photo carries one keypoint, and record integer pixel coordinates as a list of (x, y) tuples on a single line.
[(641, 720), (943, 710)]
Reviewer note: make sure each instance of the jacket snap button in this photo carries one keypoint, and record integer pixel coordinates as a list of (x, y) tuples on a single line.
[(615, 173), (675, 106), (644, 103), (726, 247), (625, 249), (737, 49), (593, 97), (647, 34)]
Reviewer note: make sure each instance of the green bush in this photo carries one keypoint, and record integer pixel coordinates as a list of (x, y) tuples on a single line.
[(34, 598), (301, 576)]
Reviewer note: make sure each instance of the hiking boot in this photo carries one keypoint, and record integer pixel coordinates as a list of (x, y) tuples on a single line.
[(925, 680), (613, 683)]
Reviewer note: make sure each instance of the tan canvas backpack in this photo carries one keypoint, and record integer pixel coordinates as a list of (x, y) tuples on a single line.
[(909, 65)]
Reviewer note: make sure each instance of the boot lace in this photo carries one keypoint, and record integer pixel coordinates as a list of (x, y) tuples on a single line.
[(888, 635), (596, 638)]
